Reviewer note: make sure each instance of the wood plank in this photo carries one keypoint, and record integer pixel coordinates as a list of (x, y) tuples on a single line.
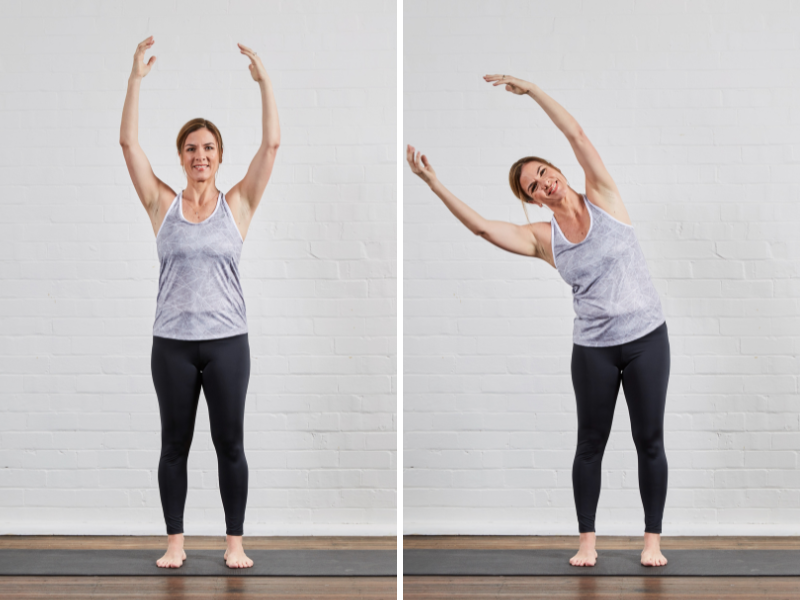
[(130, 542), (601, 588), (530, 542)]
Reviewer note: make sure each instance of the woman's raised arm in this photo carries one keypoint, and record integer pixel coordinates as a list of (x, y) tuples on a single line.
[(520, 239), (599, 184), (252, 186), (148, 186)]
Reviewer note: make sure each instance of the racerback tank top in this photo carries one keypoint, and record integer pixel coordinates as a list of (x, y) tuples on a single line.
[(199, 294), (614, 298)]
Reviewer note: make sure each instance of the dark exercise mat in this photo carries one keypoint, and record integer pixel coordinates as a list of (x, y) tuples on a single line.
[(284, 563), (682, 563)]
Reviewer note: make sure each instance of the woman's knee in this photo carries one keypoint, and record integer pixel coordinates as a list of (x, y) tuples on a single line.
[(650, 445), (229, 447), (176, 448), (591, 444)]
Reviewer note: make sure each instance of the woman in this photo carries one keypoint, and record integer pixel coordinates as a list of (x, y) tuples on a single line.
[(620, 335), (200, 330)]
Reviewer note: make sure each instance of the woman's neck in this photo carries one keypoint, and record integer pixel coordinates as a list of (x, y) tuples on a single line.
[(570, 208), (200, 192)]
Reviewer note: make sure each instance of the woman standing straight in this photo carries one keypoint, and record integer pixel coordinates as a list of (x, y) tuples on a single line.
[(620, 334), (200, 331)]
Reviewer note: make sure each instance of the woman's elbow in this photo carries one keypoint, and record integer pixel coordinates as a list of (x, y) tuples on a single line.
[(576, 134), (479, 227)]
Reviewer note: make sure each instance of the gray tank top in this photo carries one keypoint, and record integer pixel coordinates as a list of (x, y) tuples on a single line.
[(199, 294), (614, 299)]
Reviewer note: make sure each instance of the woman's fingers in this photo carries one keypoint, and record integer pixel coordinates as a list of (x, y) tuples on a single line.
[(257, 70), (144, 45), (419, 164), (413, 159), (510, 82), (412, 156), (141, 49), (245, 50), (498, 78), (140, 66)]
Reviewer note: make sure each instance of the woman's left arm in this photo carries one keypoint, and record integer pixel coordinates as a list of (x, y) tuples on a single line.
[(599, 183), (252, 187)]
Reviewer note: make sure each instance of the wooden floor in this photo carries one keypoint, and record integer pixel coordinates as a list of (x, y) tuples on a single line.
[(206, 588), (605, 588)]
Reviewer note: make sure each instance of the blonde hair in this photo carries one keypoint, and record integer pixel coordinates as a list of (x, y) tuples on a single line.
[(514, 175), (194, 125)]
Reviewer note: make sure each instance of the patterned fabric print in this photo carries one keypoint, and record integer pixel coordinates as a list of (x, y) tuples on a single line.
[(614, 299), (199, 293)]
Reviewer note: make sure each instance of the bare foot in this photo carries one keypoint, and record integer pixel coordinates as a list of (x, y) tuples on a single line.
[(651, 555), (587, 555), (234, 556), (174, 556)]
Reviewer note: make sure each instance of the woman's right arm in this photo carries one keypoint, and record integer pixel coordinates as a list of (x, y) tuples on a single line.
[(519, 239), (148, 186)]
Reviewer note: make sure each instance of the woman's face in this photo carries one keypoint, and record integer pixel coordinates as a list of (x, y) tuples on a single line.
[(543, 183), (200, 157)]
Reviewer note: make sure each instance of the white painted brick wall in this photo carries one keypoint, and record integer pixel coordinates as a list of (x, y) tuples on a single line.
[(80, 433), (694, 108)]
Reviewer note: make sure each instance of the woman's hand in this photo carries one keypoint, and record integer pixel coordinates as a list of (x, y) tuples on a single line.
[(140, 69), (419, 165), (257, 69), (513, 85)]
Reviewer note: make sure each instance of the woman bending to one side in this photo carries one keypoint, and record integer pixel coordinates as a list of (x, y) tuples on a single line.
[(620, 335), (200, 331)]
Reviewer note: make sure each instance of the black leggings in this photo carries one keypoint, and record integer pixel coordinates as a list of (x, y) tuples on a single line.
[(222, 368), (642, 366)]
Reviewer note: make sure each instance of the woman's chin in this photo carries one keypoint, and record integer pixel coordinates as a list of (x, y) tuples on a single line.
[(556, 198), (552, 201)]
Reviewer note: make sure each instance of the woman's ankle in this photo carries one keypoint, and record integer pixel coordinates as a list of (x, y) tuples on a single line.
[(652, 539)]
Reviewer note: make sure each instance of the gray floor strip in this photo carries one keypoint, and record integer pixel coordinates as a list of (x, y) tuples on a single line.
[(682, 563), (284, 563)]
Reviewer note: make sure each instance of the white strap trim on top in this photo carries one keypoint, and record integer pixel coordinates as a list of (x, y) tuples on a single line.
[(216, 208), (228, 210), (553, 240), (606, 214), (169, 210)]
